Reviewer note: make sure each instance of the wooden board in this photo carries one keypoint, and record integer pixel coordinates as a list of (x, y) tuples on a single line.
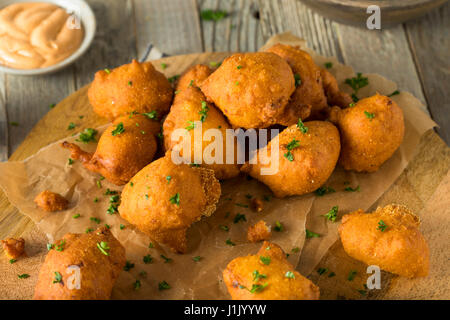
[(416, 185)]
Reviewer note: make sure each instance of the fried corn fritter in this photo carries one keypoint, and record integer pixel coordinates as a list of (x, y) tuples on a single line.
[(164, 199), (189, 106), (193, 77), (51, 201), (134, 87), (316, 88), (389, 238), (307, 155), (371, 131), (309, 93), (251, 89), (267, 276), (98, 256), (14, 248), (125, 147)]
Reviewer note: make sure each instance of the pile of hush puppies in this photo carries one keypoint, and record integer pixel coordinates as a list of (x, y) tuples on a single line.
[(283, 87)]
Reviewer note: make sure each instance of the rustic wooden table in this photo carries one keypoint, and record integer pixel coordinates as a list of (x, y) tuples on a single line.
[(416, 55)]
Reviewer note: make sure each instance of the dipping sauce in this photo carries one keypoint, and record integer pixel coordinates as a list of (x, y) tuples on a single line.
[(37, 35)]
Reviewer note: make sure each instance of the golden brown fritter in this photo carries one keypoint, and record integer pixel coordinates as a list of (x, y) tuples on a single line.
[(99, 257), (51, 201), (309, 93), (125, 147), (389, 238), (131, 87), (315, 88), (14, 248), (164, 199), (267, 276), (370, 131), (306, 159), (189, 106), (251, 89), (258, 232), (194, 76)]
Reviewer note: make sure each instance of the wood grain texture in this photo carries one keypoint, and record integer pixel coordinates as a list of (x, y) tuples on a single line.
[(173, 26), (3, 121), (429, 40), (239, 31), (115, 40)]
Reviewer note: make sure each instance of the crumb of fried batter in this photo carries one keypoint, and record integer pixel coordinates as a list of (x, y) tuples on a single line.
[(258, 232), (51, 201), (14, 248), (257, 205)]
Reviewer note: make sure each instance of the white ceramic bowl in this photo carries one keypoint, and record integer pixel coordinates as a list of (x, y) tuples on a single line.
[(87, 18)]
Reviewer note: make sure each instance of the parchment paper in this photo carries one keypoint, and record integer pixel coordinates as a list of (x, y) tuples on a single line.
[(49, 169)]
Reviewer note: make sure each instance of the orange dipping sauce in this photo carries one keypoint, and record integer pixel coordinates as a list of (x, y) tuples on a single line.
[(37, 35)]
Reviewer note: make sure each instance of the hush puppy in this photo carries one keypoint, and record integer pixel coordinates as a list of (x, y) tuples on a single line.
[(130, 87), (14, 248), (51, 201), (307, 155), (81, 267), (251, 89), (315, 88), (190, 110), (267, 276), (389, 238), (125, 147), (193, 77), (371, 131), (164, 199)]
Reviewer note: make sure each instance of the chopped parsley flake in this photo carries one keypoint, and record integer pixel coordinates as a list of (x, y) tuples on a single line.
[(23, 276), (118, 130), (163, 285), (381, 226), (70, 161), (290, 275), (137, 285), (60, 246), (224, 228), (163, 66), (175, 199), (332, 214), (257, 275), (174, 78), (76, 216), (350, 189), (265, 260), (278, 226), (191, 125), (239, 217), (166, 259), (322, 271), (58, 277), (96, 220), (71, 126), (323, 191), (153, 115), (168, 178), (128, 266), (204, 112), (310, 234), (213, 15), (351, 275), (369, 115), (197, 258), (298, 80), (301, 126), (107, 71), (147, 259), (229, 242), (394, 93), (87, 135), (328, 65), (357, 83), (12, 261), (103, 247)]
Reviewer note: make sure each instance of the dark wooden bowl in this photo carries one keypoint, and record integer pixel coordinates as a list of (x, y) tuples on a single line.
[(354, 11)]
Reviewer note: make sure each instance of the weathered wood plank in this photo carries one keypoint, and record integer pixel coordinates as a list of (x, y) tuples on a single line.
[(3, 121), (29, 98), (171, 25), (429, 40), (287, 15), (115, 40), (239, 31), (385, 52)]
